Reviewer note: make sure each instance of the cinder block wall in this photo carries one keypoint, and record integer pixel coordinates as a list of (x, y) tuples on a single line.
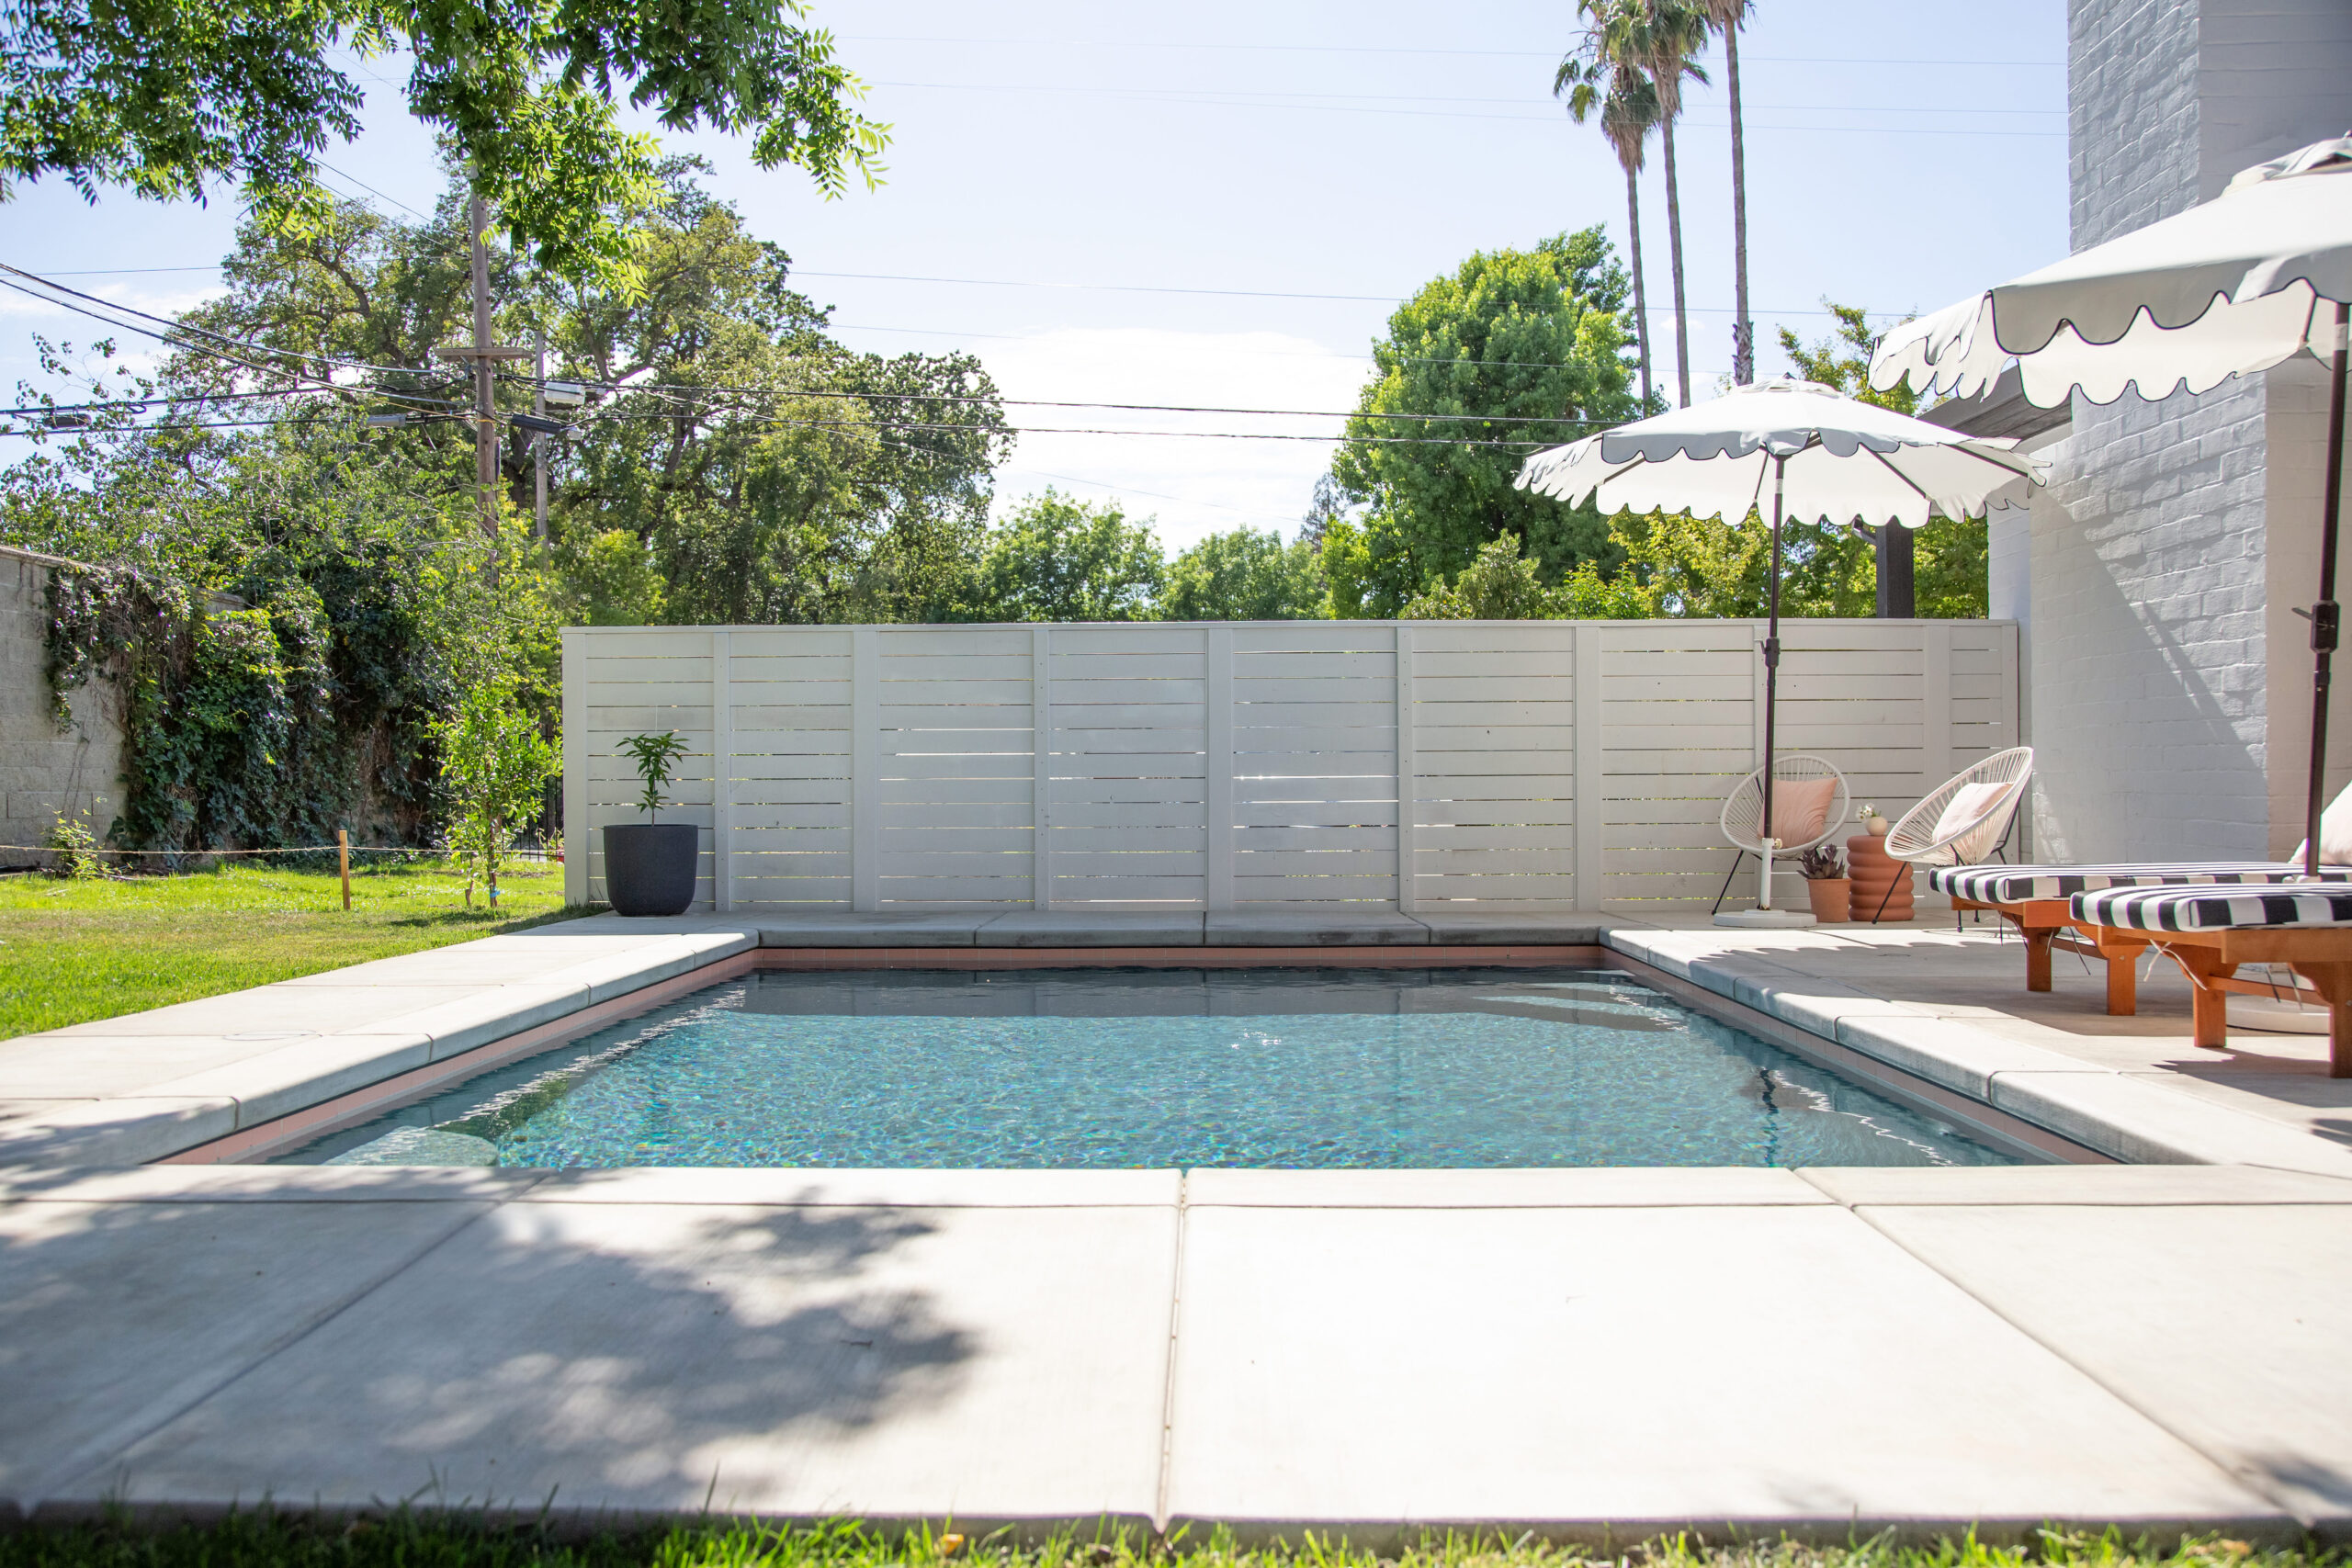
[(2171, 546), (45, 770)]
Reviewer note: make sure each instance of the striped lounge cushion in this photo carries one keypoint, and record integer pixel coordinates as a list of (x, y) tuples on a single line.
[(2016, 884), (2217, 909)]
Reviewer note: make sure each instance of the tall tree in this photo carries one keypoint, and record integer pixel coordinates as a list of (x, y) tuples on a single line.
[(1060, 558), (1661, 38), (173, 98), (1725, 17), (1628, 106), (1513, 350), (1246, 575)]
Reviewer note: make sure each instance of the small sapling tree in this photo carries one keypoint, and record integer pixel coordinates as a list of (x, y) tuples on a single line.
[(495, 767), (654, 756)]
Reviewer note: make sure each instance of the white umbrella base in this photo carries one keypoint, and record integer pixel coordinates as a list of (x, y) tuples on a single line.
[(1768, 919)]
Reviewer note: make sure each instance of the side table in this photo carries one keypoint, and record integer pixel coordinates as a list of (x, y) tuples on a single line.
[(1874, 871)]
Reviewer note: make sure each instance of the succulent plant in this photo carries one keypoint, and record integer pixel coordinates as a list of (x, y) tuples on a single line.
[(1822, 862)]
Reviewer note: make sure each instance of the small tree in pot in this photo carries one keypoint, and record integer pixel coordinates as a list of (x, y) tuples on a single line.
[(650, 865), (1827, 884)]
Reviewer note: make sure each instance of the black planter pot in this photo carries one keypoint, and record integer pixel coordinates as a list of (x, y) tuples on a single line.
[(650, 867)]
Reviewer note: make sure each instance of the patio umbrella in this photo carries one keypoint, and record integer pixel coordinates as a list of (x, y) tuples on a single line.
[(2236, 285), (1793, 449)]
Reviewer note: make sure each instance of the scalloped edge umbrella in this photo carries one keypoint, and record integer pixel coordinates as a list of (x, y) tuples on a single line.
[(2230, 287), (1827, 456)]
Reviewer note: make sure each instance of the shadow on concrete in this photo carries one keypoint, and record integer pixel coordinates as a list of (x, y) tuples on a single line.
[(629, 1354)]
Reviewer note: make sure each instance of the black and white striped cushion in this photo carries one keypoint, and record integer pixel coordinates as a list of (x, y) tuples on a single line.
[(2216, 909), (2016, 884)]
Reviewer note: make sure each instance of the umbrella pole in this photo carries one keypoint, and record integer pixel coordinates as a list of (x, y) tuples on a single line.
[(1772, 677), (2326, 612)]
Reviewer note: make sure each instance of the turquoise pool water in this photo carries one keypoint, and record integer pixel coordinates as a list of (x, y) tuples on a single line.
[(1155, 1068)]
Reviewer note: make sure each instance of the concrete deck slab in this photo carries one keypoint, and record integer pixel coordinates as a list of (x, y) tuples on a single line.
[(283, 1010), (1601, 1188), (120, 1316), (266, 1184), (886, 928), (276, 1083), (2080, 1184), (1070, 929), (120, 1130), (990, 1363), (2141, 1123), (1453, 927), (2246, 1360), (1278, 927), (1565, 1365), (868, 1189)]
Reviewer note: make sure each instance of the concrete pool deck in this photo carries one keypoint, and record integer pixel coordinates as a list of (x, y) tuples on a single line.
[(1597, 1353)]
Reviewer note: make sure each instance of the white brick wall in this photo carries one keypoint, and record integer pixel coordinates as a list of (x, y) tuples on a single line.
[(2175, 537), (45, 770)]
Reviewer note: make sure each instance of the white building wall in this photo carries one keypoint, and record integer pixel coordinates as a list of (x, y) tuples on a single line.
[(2167, 551), (46, 771)]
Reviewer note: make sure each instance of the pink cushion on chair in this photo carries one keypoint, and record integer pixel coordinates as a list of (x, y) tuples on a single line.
[(1801, 808), (1968, 803)]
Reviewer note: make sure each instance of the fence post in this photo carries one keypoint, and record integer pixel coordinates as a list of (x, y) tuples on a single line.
[(579, 836), (1409, 770), (1041, 757), (1219, 769), (1584, 811), (864, 764), (1935, 735), (722, 777)]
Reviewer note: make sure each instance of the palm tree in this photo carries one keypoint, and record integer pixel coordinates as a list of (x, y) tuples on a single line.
[(1661, 38), (1628, 110), (1725, 17)]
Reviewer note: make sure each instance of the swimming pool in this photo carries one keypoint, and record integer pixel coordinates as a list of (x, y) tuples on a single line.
[(1156, 1069)]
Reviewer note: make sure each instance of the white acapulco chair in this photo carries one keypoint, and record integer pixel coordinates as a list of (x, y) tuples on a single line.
[(1967, 820), (1743, 824)]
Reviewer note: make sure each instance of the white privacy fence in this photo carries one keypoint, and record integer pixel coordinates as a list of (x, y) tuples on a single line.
[(1544, 764)]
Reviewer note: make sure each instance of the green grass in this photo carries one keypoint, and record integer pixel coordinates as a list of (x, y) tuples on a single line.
[(401, 1541), (77, 951)]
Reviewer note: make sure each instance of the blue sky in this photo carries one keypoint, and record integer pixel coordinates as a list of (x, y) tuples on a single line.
[(1220, 205)]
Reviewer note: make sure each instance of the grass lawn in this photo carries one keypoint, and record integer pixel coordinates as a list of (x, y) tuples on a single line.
[(74, 952), (402, 1541)]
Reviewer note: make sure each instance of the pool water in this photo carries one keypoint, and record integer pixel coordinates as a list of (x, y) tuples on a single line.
[(1107, 1069)]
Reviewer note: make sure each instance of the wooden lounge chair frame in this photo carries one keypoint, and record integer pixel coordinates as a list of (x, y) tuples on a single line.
[(2320, 954)]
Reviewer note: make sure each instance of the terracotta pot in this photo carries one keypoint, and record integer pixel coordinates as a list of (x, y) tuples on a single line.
[(1832, 898)]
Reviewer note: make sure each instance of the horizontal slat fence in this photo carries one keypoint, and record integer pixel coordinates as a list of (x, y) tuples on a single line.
[(1535, 765)]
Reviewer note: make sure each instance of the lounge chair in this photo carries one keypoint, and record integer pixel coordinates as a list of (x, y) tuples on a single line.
[(2037, 899), (2209, 931), (1963, 821)]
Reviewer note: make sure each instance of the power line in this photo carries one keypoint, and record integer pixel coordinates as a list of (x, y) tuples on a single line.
[(1381, 48)]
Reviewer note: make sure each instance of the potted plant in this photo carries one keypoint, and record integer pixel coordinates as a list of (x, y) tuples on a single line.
[(650, 865), (1827, 884), (1872, 823)]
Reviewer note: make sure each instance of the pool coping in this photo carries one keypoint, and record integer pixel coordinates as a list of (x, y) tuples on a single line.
[(220, 1111)]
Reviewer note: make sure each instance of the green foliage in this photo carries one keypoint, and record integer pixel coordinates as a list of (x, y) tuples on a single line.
[(654, 755), (494, 769), (282, 617), (1245, 575), (1056, 558), (401, 1539), (1704, 568), (752, 471), (1509, 335), (76, 848), (177, 98), (1947, 574), (1503, 585)]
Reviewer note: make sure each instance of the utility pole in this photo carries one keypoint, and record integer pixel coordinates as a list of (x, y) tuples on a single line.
[(485, 416), (482, 355), (539, 441)]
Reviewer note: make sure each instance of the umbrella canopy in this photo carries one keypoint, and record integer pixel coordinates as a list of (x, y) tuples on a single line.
[(1785, 446), (2229, 287), (2236, 285), (1827, 455)]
